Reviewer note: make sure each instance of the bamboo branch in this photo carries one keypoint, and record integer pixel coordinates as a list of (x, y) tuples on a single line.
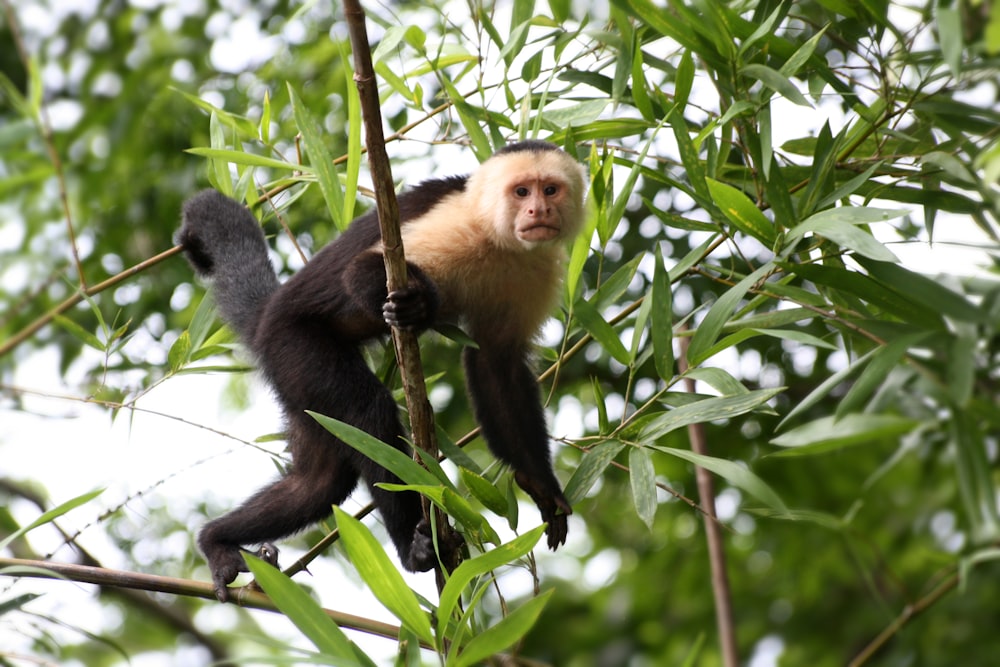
[(43, 569), (405, 342)]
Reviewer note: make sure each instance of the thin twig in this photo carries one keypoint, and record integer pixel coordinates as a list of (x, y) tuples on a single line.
[(908, 613)]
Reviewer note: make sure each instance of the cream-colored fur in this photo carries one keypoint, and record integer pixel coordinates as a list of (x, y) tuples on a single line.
[(502, 288)]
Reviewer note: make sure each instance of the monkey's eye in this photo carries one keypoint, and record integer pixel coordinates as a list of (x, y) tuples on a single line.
[(550, 190), (521, 191)]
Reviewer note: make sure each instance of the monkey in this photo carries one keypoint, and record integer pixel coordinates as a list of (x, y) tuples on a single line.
[(485, 251)]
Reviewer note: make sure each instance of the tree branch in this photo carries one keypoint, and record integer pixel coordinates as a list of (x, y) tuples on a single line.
[(43, 569), (405, 342)]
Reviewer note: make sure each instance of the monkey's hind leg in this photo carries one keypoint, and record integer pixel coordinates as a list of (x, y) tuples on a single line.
[(303, 497)]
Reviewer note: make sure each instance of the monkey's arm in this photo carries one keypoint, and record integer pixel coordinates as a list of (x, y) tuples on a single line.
[(414, 307), (508, 407)]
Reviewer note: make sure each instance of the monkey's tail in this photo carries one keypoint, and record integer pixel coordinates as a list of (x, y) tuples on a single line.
[(224, 242)]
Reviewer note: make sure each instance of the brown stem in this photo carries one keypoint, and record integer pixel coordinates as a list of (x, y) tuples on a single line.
[(20, 567), (405, 342), (713, 533), (908, 613)]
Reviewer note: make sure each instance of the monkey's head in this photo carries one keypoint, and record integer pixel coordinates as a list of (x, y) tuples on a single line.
[(530, 194)]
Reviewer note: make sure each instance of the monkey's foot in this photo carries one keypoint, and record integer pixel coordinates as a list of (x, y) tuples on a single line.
[(226, 562)]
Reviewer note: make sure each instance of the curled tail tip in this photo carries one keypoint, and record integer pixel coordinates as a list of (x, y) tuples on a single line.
[(209, 219)]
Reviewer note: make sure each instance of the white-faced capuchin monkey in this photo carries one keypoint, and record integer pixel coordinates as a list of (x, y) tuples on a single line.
[(484, 251)]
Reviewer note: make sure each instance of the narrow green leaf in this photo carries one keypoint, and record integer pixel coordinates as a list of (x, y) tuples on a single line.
[(976, 485), (735, 474), (929, 291), (385, 582), (384, 454), (694, 167), (882, 363), (706, 410), (180, 352), (684, 79), (839, 225), (640, 96), (802, 54), (709, 329), (949, 23), (218, 167), (505, 633), (742, 212), (224, 155), (478, 566), (80, 333), (53, 513), (354, 123), (776, 81), (825, 387), (602, 332), (592, 466), (642, 477), (320, 159), (828, 434), (662, 319), (307, 615), (484, 491), (265, 119)]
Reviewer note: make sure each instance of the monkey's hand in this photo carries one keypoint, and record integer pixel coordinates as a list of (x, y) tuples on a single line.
[(552, 505), (412, 308)]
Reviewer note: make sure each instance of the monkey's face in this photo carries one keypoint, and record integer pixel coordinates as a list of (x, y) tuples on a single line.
[(529, 198), (538, 205)]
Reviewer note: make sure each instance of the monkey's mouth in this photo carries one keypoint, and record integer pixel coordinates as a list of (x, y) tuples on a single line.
[(539, 232)]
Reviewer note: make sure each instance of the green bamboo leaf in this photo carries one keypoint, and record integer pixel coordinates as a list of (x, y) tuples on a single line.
[(52, 514), (642, 477), (717, 379), (640, 94), (218, 167), (247, 159), (839, 225), (829, 434), (505, 633), (478, 566), (387, 456), (78, 332), (385, 582), (882, 363), (484, 491), (694, 167), (591, 467), (802, 54), (684, 79), (776, 81), (662, 319), (706, 410), (307, 615), (720, 312), (930, 292), (975, 478), (180, 352), (320, 160), (828, 385), (354, 124), (735, 474), (742, 212), (602, 332)]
